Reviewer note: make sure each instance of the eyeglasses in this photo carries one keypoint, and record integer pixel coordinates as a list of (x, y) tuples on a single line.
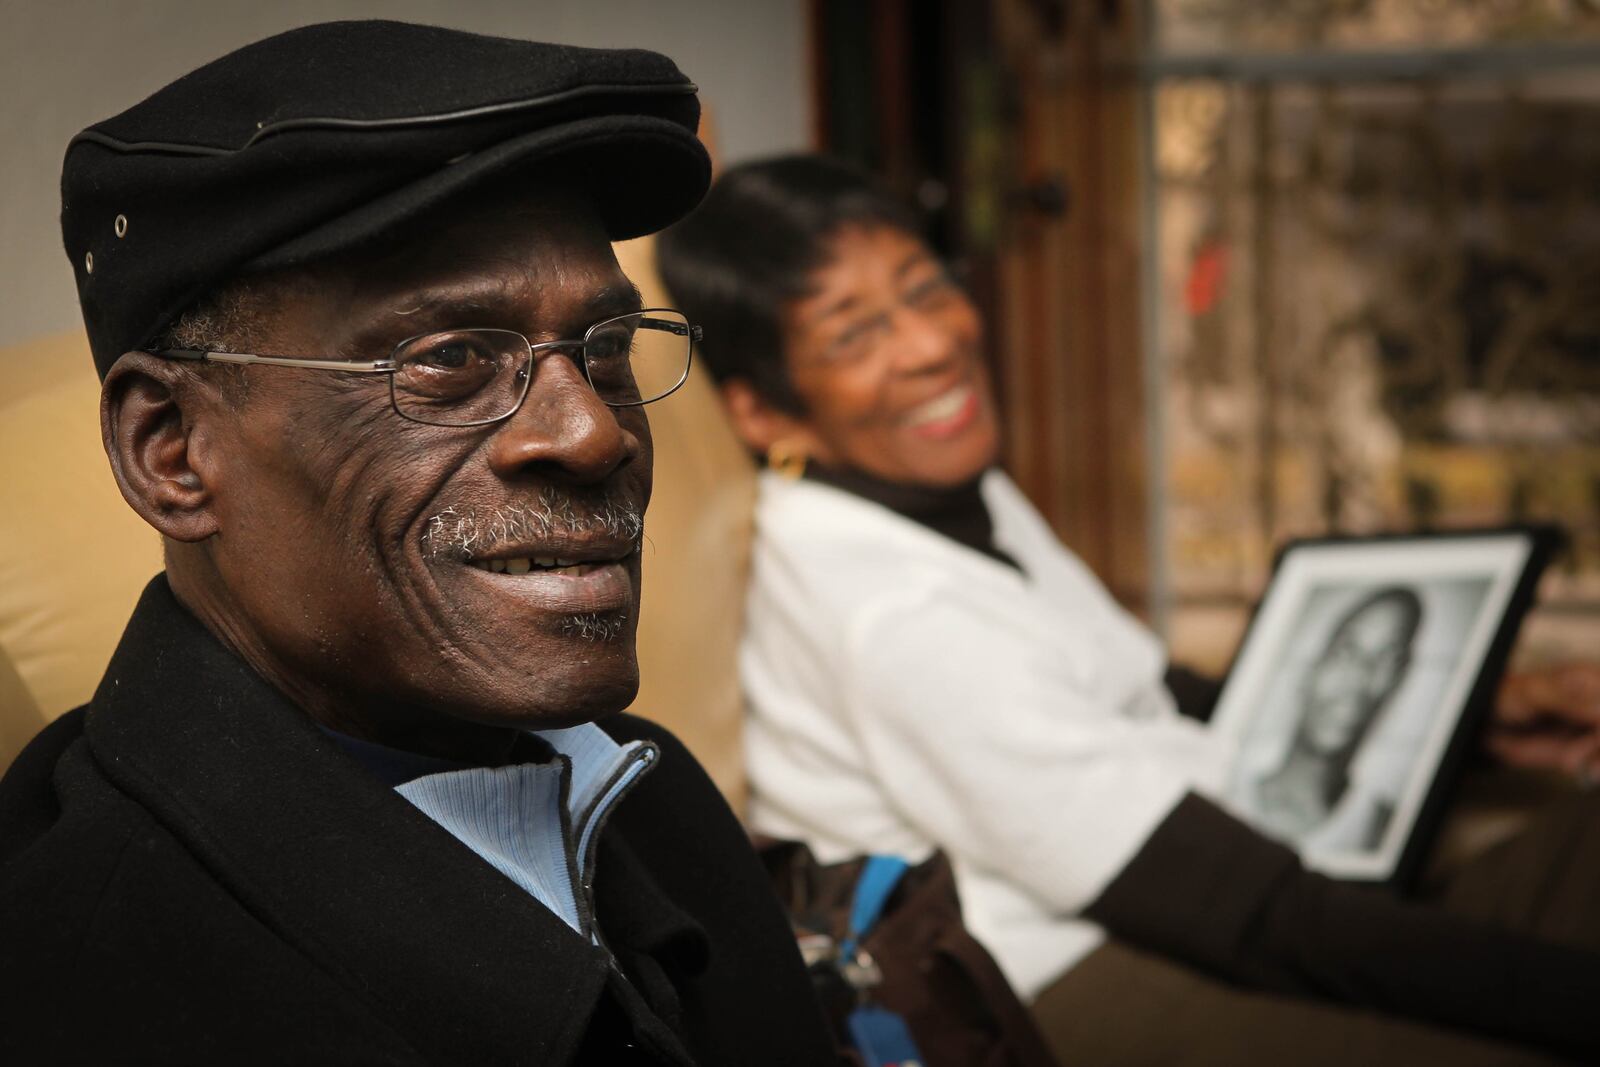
[(478, 376), (861, 335)]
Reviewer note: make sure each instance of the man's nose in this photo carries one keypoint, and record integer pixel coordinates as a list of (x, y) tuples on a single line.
[(563, 428)]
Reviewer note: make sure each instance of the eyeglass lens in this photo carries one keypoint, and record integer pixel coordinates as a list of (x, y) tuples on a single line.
[(461, 377)]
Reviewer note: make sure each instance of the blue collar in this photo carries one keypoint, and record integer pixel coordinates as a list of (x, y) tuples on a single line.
[(536, 820)]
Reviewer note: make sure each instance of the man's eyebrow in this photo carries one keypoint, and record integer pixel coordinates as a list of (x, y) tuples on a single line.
[(605, 302), (612, 300), (426, 304)]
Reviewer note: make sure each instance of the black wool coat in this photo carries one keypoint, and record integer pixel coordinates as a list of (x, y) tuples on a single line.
[(191, 871)]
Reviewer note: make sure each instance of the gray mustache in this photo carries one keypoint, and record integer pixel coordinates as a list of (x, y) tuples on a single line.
[(463, 532)]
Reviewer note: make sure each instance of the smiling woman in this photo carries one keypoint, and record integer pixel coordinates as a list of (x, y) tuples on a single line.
[(840, 338), (916, 640), (884, 353), (927, 667)]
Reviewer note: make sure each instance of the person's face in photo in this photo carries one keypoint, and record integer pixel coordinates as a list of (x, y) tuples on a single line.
[(1361, 665)]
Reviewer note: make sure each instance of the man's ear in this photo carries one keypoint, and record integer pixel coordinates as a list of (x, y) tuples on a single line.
[(760, 425), (155, 455)]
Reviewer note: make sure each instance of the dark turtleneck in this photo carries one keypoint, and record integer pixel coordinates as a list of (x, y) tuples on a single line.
[(958, 512)]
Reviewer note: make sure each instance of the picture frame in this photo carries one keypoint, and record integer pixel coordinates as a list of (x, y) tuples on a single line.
[(1362, 683)]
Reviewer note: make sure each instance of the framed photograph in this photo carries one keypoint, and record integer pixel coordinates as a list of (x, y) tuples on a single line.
[(1361, 684)]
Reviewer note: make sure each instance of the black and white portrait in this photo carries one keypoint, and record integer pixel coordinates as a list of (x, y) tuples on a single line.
[(1351, 685)]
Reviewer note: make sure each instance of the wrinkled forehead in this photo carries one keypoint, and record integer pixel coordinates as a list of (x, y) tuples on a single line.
[(534, 256), (546, 226)]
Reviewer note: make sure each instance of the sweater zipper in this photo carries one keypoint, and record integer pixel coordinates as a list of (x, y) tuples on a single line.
[(581, 854)]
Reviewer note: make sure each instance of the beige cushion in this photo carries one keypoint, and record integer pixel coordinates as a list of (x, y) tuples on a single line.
[(696, 555), (76, 556), (20, 717)]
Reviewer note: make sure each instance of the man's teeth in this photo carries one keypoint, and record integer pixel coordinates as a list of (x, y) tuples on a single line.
[(543, 564), (941, 407)]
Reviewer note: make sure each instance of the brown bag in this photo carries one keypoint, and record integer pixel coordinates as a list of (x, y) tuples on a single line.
[(959, 1007)]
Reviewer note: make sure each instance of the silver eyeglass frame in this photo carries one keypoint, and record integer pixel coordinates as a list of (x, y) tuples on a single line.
[(391, 365)]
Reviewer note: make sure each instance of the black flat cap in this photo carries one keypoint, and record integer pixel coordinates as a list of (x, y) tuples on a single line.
[(326, 137)]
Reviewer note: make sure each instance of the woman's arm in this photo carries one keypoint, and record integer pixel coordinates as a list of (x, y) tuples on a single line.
[(1210, 891), (990, 742)]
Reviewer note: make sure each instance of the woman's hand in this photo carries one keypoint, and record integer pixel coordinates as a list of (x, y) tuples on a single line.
[(1549, 719)]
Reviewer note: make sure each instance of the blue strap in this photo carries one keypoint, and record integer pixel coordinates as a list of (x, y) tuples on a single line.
[(877, 881)]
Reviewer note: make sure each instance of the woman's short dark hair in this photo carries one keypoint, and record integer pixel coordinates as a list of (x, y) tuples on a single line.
[(751, 247)]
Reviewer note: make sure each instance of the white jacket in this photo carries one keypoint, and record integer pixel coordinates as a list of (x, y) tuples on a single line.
[(908, 693)]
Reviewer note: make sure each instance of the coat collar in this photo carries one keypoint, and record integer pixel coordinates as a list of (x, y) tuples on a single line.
[(452, 954)]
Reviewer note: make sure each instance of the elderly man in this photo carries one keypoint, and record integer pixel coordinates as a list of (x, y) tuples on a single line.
[(354, 787)]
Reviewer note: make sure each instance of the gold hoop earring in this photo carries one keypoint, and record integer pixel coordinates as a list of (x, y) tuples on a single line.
[(786, 458)]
